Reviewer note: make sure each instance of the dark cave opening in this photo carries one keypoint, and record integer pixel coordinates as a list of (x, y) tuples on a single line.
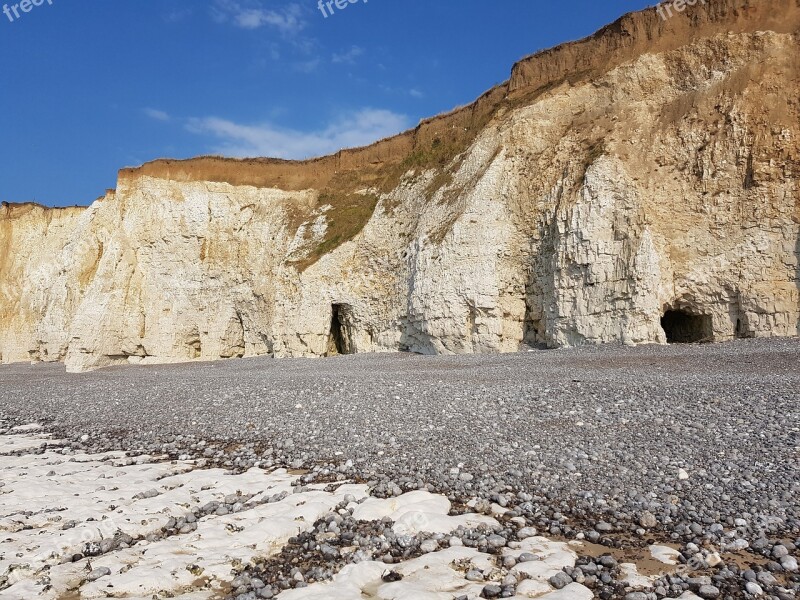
[(741, 329), (340, 340), (684, 328)]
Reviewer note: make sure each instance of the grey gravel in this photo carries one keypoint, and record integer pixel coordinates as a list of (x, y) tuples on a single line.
[(694, 445)]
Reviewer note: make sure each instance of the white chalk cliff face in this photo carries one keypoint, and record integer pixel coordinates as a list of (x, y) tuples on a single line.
[(650, 190)]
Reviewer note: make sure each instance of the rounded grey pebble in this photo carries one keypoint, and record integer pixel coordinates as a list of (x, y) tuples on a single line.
[(492, 591), (708, 591), (98, 573), (753, 588), (560, 580), (789, 563)]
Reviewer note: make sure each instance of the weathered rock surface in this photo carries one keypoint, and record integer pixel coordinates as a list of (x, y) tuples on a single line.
[(647, 172)]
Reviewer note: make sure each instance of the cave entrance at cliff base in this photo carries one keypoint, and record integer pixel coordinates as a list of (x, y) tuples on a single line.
[(340, 340), (685, 328)]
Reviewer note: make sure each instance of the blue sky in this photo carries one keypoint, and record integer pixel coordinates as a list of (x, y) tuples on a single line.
[(90, 86)]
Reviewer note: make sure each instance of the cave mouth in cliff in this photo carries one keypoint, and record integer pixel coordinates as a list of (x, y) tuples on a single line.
[(340, 340), (685, 328)]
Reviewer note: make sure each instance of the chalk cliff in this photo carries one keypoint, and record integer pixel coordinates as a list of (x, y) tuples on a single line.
[(633, 186)]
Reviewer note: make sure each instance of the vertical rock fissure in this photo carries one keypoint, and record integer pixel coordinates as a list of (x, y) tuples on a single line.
[(340, 340)]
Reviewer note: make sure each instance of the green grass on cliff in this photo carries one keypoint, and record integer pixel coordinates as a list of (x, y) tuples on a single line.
[(349, 214)]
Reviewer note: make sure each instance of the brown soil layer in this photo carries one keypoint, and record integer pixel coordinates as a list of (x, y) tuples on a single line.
[(624, 40)]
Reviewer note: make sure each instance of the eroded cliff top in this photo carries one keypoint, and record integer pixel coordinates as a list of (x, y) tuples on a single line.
[(436, 139), (16, 210)]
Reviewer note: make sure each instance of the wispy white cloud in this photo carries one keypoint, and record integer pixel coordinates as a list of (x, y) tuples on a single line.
[(358, 128), (349, 56), (399, 91), (251, 14), (158, 115)]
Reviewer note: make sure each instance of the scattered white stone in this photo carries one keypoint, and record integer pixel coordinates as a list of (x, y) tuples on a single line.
[(456, 541), (429, 546), (629, 575), (665, 554), (416, 512)]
